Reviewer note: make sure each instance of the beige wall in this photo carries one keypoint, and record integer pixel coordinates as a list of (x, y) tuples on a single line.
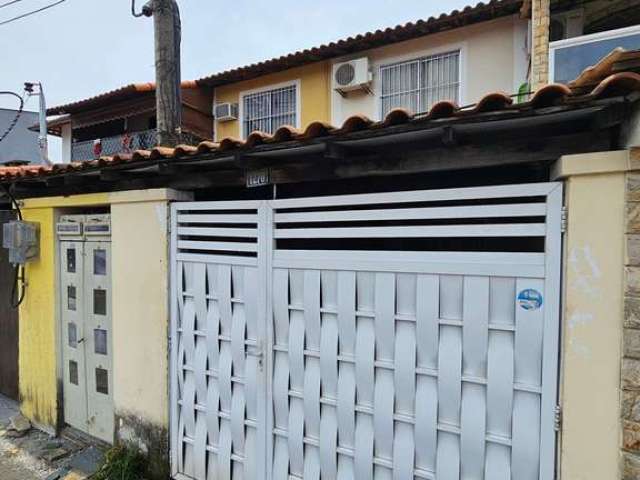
[(140, 308), (494, 58), (592, 316)]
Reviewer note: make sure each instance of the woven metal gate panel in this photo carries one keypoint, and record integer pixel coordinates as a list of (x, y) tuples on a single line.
[(423, 344)]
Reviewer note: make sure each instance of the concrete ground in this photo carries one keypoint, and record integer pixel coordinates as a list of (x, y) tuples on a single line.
[(16, 461)]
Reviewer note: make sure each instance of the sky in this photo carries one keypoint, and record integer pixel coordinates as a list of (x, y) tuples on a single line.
[(84, 47)]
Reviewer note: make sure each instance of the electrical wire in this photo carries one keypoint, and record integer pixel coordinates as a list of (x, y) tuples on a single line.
[(19, 288), (9, 3), (16, 118), (46, 7)]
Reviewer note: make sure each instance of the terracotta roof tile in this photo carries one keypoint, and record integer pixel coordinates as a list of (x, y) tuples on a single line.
[(550, 95), (618, 84)]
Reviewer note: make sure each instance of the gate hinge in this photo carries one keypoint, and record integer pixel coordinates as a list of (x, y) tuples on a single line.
[(563, 219), (557, 418)]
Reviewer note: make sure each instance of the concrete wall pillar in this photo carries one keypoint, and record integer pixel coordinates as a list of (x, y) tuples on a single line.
[(592, 315)]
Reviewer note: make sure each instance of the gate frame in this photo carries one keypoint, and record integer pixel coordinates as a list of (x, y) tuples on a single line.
[(551, 355)]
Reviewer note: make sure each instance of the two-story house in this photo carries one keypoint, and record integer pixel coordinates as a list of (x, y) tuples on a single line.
[(457, 56)]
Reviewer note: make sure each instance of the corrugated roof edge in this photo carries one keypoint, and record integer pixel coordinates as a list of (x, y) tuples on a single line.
[(616, 85), (112, 95)]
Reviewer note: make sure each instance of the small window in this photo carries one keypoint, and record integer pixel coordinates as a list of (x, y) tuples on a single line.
[(71, 260), (72, 335), (99, 262), (100, 341), (419, 84), (102, 381), (268, 111), (73, 372), (71, 298), (99, 302)]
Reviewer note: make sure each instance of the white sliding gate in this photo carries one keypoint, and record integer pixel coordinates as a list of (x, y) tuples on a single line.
[(389, 335)]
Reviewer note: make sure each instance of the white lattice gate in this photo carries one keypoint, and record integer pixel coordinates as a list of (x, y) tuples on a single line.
[(396, 335)]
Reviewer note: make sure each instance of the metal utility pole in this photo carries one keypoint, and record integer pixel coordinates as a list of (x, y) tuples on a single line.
[(43, 142), (167, 33)]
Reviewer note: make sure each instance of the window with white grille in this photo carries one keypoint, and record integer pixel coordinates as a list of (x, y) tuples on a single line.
[(418, 84), (266, 111)]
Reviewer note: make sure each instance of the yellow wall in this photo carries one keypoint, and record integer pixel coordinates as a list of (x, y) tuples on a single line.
[(37, 331), (314, 94), (592, 317), (140, 297)]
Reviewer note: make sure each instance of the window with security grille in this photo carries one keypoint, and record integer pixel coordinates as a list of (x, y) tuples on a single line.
[(418, 84), (269, 110)]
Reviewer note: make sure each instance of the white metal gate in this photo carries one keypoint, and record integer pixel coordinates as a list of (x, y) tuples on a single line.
[(392, 335)]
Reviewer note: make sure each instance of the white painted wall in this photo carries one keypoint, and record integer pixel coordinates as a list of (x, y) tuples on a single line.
[(493, 58)]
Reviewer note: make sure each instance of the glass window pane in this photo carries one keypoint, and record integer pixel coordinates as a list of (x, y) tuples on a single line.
[(100, 341), (71, 298), (99, 262), (102, 381), (570, 61), (99, 302), (73, 372), (71, 260), (72, 334)]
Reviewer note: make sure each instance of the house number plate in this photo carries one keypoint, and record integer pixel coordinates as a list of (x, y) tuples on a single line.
[(258, 178)]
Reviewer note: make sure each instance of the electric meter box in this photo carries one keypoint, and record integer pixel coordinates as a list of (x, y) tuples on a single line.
[(22, 239)]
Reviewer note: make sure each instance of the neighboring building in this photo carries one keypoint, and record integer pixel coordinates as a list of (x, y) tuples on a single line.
[(124, 120), (21, 144)]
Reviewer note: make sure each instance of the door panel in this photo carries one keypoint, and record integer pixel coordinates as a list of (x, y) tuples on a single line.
[(98, 334), (74, 333)]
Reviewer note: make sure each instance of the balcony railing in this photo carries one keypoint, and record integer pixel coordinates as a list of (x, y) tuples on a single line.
[(568, 58), (125, 143)]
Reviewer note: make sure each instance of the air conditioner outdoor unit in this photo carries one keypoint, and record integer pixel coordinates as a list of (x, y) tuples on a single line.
[(352, 75), (224, 112)]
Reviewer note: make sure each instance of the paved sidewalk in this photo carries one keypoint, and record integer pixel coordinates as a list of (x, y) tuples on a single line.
[(16, 463)]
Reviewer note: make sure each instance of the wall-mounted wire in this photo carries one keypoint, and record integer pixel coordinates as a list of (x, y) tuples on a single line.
[(19, 288)]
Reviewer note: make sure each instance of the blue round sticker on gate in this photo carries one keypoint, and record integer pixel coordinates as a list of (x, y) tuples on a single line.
[(530, 299)]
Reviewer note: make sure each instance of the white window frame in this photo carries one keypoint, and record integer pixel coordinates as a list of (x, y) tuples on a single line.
[(267, 88), (584, 39), (460, 47)]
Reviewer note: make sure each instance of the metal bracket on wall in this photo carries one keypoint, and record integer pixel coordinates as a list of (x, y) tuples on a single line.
[(557, 420), (564, 216)]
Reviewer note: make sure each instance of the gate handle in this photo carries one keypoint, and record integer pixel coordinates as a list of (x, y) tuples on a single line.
[(256, 351)]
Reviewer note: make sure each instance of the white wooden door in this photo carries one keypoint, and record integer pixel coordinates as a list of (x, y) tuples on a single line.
[(72, 308), (85, 302), (97, 340), (410, 335)]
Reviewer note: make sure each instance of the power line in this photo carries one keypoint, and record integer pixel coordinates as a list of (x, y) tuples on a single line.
[(32, 12), (16, 118), (9, 3)]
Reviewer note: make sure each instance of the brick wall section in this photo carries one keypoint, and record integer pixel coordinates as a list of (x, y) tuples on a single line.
[(630, 373), (540, 18)]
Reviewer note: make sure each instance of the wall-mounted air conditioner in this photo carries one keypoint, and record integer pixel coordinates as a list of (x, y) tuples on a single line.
[(352, 75), (224, 112)]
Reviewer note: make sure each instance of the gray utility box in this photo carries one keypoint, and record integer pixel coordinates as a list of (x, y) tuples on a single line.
[(22, 239)]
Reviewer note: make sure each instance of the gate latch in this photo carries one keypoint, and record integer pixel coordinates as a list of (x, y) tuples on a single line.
[(256, 351)]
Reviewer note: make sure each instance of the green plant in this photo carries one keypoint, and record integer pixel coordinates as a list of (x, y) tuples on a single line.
[(122, 462)]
